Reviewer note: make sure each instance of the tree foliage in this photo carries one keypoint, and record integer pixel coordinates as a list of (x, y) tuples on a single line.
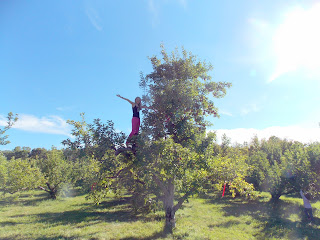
[(281, 166), (179, 90), (11, 119), (56, 171), (93, 140), (19, 175)]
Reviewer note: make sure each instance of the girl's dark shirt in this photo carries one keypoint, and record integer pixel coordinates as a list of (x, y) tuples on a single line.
[(135, 112)]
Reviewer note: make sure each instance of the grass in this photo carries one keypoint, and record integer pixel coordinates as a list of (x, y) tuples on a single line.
[(32, 216)]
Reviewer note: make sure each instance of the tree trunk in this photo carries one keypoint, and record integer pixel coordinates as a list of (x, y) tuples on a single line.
[(52, 191), (275, 196), (53, 194), (169, 206)]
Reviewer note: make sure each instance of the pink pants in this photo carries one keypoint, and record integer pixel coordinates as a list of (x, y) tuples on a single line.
[(135, 127)]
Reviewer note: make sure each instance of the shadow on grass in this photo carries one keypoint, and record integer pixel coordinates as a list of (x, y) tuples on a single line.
[(8, 223), (38, 196), (225, 224), (273, 217), (24, 199), (60, 237), (112, 211), (156, 235), (116, 210)]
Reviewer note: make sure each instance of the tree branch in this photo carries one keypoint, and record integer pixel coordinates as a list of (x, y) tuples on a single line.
[(42, 188), (183, 198), (118, 173), (139, 181)]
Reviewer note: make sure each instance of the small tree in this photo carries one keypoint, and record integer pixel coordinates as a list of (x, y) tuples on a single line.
[(279, 166), (259, 169), (11, 119), (92, 153), (19, 175), (3, 171), (93, 140), (85, 173), (56, 171), (230, 168), (313, 151)]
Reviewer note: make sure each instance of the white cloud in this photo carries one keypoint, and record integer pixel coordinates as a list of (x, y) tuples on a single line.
[(3, 121), (31, 123), (296, 133), (93, 17)]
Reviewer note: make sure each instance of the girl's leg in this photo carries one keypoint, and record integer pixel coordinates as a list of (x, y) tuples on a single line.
[(136, 125), (135, 128)]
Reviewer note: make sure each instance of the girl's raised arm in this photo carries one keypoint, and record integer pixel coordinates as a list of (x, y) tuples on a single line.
[(118, 95)]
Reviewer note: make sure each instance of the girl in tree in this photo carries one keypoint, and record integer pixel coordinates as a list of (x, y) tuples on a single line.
[(136, 107), (307, 205)]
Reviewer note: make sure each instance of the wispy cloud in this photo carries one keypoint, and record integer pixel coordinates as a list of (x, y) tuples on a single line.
[(260, 25), (183, 3), (65, 108), (223, 112), (93, 17), (155, 5), (253, 107), (154, 10), (296, 133), (31, 123)]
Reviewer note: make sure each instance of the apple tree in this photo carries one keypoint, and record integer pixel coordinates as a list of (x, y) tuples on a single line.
[(170, 159)]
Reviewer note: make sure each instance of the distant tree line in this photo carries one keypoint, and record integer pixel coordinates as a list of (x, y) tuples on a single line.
[(274, 165)]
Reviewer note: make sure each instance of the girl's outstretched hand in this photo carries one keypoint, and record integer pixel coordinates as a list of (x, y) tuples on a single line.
[(118, 95)]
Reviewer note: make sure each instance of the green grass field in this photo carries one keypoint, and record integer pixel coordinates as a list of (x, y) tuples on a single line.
[(33, 216)]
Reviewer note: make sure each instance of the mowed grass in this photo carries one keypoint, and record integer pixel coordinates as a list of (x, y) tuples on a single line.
[(33, 216)]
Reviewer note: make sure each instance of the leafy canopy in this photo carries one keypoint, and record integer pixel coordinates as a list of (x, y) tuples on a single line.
[(179, 90)]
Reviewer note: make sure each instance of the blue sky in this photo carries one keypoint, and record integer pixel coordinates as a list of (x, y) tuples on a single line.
[(61, 58)]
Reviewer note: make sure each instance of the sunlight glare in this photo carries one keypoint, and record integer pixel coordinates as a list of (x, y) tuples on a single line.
[(296, 42)]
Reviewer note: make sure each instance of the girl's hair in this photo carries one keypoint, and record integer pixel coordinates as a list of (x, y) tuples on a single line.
[(139, 104)]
